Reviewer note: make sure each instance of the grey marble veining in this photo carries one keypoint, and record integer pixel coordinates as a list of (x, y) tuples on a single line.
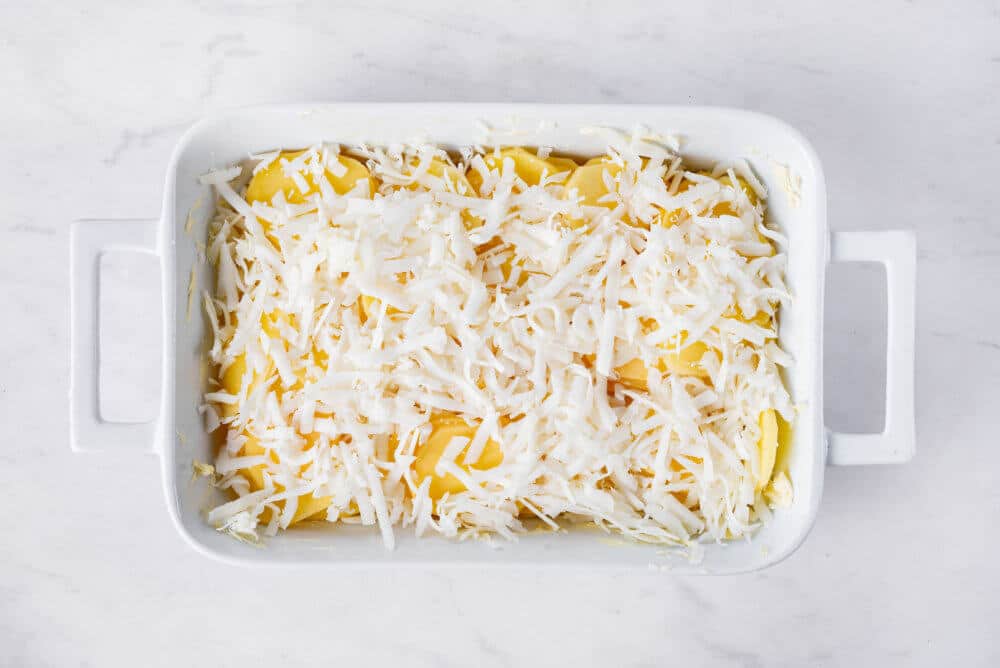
[(901, 101)]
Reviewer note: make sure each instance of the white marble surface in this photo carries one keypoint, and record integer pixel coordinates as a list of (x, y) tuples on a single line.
[(902, 101)]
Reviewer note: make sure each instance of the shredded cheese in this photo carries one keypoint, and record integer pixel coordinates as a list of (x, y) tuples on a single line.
[(603, 362)]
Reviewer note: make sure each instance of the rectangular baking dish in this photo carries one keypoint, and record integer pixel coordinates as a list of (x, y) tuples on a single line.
[(780, 156)]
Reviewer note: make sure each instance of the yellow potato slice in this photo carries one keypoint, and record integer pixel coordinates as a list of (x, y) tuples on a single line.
[(232, 382), (684, 362), (760, 318), (674, 216), (778, 492), (587, 184), (679, 363), (269, 322), (527, 165), (562, 164), (768, 446), (266, 183), (459, 182), (728, 209), (445, 427), (370, 306), (670, 218), (308, 505), (507, 266), (448, 172)]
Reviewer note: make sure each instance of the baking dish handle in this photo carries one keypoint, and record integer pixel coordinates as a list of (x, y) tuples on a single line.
[(89, 239), (897, 251)]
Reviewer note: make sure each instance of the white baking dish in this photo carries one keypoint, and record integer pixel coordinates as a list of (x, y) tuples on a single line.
[(775, 151)]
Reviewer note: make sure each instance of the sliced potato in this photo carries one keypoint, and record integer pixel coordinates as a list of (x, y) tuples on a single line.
[(232, 383), (527, 165), (448, 172), (308, 505), (266, 183), (562, 164), (459, 183), (445, 427), (768, 446), (587, 184), (684, 362)]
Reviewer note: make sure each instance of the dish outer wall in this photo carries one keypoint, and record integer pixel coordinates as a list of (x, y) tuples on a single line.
[(774, 149)]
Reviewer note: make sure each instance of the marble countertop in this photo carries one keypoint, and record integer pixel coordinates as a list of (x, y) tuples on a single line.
[(902, 102)]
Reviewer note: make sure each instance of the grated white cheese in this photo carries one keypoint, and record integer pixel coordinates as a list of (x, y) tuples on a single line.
[(357, 318)]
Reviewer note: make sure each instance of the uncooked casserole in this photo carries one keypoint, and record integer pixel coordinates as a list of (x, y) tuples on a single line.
[(495, 341)]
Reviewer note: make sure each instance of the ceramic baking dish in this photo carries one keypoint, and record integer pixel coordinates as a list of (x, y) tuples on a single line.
[(780, 156)]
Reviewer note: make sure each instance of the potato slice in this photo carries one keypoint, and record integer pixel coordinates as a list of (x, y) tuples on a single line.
[(447, 172), (445, 427), (370, 306), (768, 446), (670, 218), (459, 183), (726, 208), (587, 184), (266, 183), (562, 164), (308, 505), (232, 382), (527, 165), (674, 216), (684, 362)]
